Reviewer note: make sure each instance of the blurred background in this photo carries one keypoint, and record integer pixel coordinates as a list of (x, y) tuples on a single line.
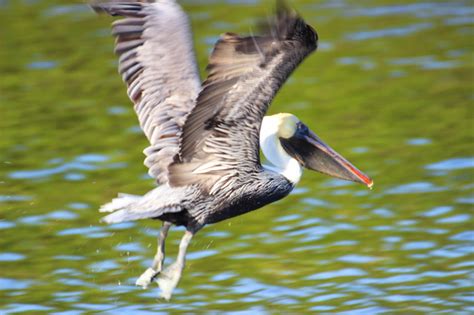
[(391, 88)]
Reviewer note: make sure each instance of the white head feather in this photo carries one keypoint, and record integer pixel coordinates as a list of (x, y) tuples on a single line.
[(274, 127)]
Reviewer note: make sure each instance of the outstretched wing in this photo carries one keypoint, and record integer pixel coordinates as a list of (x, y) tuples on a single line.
[(221, 135), (157, 62)]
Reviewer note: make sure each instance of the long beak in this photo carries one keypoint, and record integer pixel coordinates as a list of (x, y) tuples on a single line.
[(316, 155)]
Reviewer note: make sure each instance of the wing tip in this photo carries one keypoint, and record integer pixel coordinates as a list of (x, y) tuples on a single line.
[(288, 24), (118, 8)]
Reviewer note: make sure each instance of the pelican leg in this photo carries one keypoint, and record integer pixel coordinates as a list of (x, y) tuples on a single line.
[(169, 278), (147, 277)]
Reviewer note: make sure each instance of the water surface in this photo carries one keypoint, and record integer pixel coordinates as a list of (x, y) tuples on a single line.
[(390, 88)]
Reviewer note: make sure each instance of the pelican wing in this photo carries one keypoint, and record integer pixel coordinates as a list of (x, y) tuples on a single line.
[(157, 62), (220, 138)]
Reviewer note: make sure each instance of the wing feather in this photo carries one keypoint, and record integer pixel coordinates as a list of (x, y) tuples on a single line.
[(157, 62), (220, 138)]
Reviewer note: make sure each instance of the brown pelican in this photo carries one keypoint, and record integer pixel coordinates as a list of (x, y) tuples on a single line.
[(205, 138)]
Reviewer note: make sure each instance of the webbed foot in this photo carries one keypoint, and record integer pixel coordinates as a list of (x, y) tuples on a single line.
[(146, 278), (169, 279)]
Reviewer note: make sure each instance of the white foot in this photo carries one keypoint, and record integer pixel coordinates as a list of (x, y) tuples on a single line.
[(168, 280), (146, 278)]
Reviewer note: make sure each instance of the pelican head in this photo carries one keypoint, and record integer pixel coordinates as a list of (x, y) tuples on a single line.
[(290, 145)]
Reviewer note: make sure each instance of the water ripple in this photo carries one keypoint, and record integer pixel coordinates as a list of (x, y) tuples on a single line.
[(418, 245), (25, 308), (423, 9), (419, 141), (14, 198), (14, 284), (104, 265), (129, 247), (81, 163), (357, 259), (437, 211), (452, 164), (414, 188), (458, 218), (346, 272), (6, 224), (11, 257), (464, 236), (42, 65), (89, 232), (389, 32)]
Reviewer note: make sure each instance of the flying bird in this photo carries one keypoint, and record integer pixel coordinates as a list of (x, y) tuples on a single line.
[(205, 138)]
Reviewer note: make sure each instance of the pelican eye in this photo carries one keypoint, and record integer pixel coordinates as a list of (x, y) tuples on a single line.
[(302, 128)]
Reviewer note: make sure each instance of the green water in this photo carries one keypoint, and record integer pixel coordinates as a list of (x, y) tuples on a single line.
[(390, 88)]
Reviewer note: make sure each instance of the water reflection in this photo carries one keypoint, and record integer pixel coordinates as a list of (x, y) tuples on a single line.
[(389, 32), (421, 10), (70, 142), (452, 164)]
